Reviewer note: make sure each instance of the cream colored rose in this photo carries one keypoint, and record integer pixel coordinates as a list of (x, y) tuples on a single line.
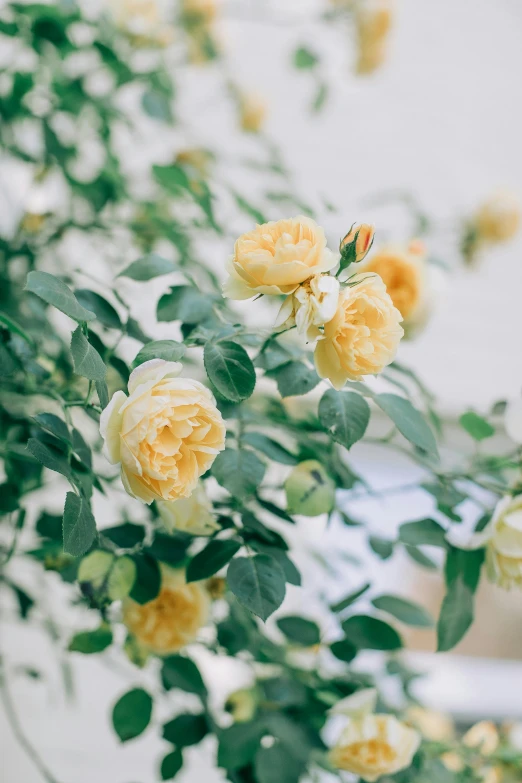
[(435, 726), (312, 304), (375, 745), (363, 336), (483, 736), (172, 620), (373, 22), (165, 434), (189, 515), (498, 219), (276, 257), (504, 543), (405, 275)]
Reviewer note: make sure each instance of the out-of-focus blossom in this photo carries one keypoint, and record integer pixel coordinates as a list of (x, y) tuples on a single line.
[(373, 19), (435, 726), (252, 112)]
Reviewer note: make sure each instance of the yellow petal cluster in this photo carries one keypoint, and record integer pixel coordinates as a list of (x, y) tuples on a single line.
[(173, 619), (504, 544), (373, 22), (165, 434), (364, 334)]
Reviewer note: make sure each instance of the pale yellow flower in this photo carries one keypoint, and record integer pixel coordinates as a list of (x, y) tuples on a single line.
[(373, 22), (452, 761), (491, 775), (142, 21), (32, 222), (197, 159), (435, 726), (312, 304), (405, 275), (363, 336), (252, 112), (173, 619), (504, 543), (202, 12), (165, 434), (189, 515), (276, 257), (375, 745), (483, 736), (498, 219)]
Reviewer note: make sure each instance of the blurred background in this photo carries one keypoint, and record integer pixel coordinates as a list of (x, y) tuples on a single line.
[(437, 126)]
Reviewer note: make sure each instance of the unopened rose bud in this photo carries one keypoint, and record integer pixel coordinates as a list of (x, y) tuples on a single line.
[(498, 219), (356, 244), (309, 489)]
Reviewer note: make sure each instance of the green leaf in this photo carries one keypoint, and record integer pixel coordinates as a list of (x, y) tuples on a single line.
[(211, 559), (344, 650), (295, 379), (345, 415), (238, 744), (171, 764), (102, 391), (320, 97), (277, 765), (230, 369), (370, 633), (149, 266), (300, 630), (79, 526), (406, 611), (184, 303), (89, 642), (348, 600), (418, 556), (157, 105), (309, 490), (305, 58), (94, 568), (125, 536), (131, 714), (476, 426), (465, 564), (258, 583), (185, 730), (456, 615), (180, 672), (121, 578), (147, 583), (239, 472), (49, 457), (55, 292), (269, 447), (422, 532), (173, 178), (248, 208), (105, 312), (409, 421), (11, 325), (169, 350), (56, 426), (382, 547), (86, 359)]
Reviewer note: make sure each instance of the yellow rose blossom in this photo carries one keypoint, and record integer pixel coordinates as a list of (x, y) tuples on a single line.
[(504, 543), (276, 257), (375, 745), (165, 434), (483, 736), (172, 619), (435, 726), (373, 22), (252, 112), (498, 219), (363, 336), (491, 775), (189, 515), (452, 761), (405, 276), (311, 305)]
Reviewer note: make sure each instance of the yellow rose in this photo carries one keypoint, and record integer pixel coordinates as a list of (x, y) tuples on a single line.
[(375, 745), (165, 434), (276, 257), (405, 276), (373, 22), (504, 543), (363, 336), (252, 112), (435, 726), (312, 304), (483, 736), (189, 515), (498, 219), (452, 761), (172, 619)]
